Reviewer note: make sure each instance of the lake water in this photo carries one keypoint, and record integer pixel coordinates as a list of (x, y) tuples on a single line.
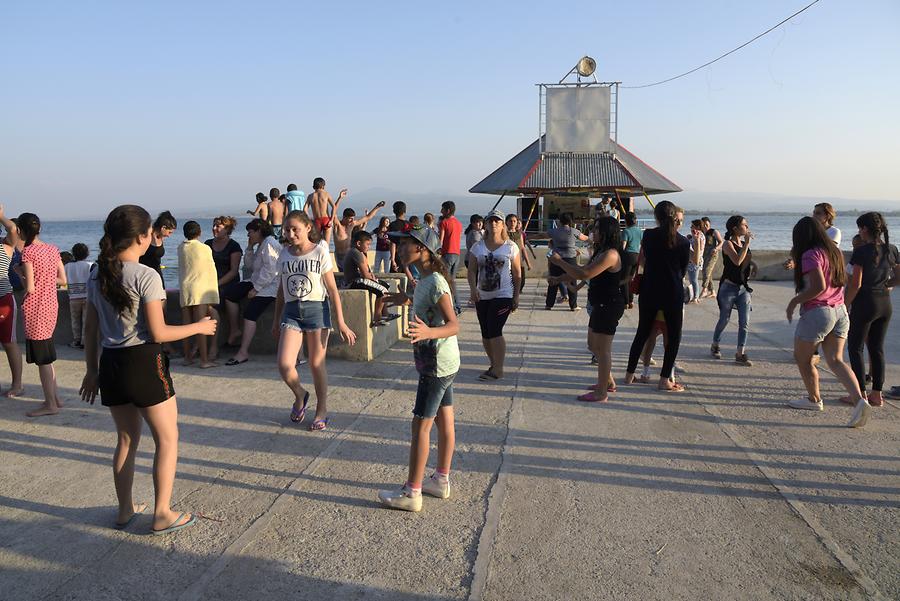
[(772, 232)]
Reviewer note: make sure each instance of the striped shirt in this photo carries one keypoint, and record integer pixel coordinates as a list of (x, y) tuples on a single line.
[(5, 285)]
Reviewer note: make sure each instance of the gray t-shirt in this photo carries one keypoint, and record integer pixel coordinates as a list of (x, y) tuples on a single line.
[(129, 329), (564, 239), (353, 259)]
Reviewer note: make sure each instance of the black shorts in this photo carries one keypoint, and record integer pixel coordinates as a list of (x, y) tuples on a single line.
[(40, 352), (135, 375), (605, 317), (255, 306), (378, 288), (492, 316)]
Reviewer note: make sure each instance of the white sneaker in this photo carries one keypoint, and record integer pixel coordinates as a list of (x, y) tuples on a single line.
[(806, 404), (437, 486), (860, 414), (401, 499)]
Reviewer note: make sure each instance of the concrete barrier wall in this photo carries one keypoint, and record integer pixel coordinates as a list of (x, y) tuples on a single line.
[(357, 306)]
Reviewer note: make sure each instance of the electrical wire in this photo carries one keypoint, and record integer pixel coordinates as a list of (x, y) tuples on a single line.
[(747, 43)]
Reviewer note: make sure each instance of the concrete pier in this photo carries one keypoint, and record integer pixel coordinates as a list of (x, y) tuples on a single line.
[(721, 492)]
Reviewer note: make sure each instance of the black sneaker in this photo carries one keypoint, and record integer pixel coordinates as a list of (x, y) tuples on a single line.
[(715, 352)]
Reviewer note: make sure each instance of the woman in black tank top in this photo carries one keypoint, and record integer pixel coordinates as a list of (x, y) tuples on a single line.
[(607, 271), (733, 288)]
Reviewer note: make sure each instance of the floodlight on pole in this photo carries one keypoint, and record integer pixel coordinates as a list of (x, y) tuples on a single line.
[(586, 66)]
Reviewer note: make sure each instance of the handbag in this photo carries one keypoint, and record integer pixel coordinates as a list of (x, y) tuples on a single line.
[(634, 286)]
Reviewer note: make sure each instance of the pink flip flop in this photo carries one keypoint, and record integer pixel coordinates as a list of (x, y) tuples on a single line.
[(600, 387), (589, 397)]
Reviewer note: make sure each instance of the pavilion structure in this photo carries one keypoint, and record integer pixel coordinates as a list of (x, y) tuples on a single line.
[(576, 157)]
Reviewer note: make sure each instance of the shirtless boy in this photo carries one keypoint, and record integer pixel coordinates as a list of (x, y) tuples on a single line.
[(347, 225), (322, 207), (276, 211)]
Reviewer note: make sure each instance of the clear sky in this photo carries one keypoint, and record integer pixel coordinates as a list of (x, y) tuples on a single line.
[(180, 104)]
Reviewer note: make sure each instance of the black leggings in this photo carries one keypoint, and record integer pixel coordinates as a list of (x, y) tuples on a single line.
[(870, 315), (673, 311), (556, 270)]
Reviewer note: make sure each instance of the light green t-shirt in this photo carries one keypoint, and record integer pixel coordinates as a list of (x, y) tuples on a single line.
[(438, 357)]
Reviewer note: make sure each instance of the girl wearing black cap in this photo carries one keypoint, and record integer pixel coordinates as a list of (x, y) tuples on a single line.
[(494, 281)]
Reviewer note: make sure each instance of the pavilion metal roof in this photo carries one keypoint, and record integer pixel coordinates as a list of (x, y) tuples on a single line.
[(531, 171)]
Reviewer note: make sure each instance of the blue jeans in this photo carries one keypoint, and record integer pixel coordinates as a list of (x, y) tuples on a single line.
[(730, 296), (693, 273)]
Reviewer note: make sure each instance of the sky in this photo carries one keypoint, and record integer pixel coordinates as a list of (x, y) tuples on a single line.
[(192, 105)]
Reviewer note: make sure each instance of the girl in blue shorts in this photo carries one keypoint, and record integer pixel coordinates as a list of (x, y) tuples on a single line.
[(432, 330), (306, 279)]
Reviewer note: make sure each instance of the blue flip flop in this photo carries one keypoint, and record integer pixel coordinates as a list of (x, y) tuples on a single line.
[(318, 425), (297, 416), (129, 521), (174, 528)]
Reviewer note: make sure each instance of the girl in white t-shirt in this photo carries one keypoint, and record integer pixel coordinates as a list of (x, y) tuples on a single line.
[(306, 277), (494, 281)]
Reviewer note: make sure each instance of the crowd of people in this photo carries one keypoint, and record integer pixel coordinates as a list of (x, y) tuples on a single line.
[(117, 307)]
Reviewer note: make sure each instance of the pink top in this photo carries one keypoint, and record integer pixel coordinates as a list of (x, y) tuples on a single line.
[(40, 307), (831, 296)]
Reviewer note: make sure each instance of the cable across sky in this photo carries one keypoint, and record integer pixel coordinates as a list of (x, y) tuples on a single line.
[(747, 43)]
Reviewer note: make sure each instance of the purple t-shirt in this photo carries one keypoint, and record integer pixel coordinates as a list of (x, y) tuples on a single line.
[(830, 297)]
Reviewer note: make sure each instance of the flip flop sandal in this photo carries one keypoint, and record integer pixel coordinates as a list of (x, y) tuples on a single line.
[(134, 516), (488, 376), (174, 528), (233, 361), (590, 398), (675, 388), (318, 425), (596, 387), (297, 416)]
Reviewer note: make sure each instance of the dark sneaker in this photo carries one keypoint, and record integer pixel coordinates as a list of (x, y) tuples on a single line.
[(742, 360), (715, 352)]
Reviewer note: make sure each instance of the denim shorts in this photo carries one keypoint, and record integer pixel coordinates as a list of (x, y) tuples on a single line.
[(433, 392), (303, 316), (817, 323), (326, 314)]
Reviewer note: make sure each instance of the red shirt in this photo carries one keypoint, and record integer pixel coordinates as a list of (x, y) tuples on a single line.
[(451, 228)]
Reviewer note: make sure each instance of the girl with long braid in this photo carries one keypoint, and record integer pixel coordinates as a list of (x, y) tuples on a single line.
[(124, 313)]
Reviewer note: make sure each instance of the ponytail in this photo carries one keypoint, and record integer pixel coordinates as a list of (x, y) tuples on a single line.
[(122, 227), (666, 216), (29, 227), (874, 222)]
